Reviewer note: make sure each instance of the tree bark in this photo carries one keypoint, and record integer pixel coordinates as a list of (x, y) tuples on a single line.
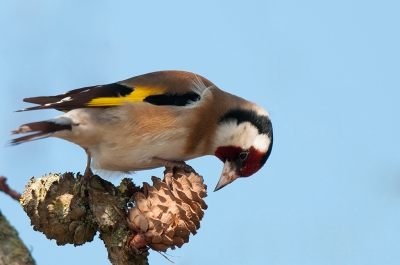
[(12, 249)]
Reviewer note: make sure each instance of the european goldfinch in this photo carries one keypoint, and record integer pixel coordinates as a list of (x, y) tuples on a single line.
[(158, 119)]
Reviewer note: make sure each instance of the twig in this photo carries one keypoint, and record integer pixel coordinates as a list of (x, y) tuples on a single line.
[(7, 190)]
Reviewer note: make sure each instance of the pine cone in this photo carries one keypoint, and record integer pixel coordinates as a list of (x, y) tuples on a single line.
[(163, 217)]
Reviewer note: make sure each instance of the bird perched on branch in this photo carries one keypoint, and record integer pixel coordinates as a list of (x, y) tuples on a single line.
[(157, 119)]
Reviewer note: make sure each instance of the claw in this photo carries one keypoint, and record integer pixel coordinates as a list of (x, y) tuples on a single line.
[(169, 169)]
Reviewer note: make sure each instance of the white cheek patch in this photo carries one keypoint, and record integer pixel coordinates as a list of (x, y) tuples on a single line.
[(262, 142), (224, 132), (244, 135)]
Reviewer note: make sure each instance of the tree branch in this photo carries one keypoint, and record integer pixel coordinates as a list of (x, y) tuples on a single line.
[(129, 219), (12, 249), (7, 190)]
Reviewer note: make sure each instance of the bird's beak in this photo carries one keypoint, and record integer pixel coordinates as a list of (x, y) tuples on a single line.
[(228, 175)]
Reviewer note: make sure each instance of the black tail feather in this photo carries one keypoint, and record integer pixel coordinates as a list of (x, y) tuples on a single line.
[(43, 129), (27, 138)]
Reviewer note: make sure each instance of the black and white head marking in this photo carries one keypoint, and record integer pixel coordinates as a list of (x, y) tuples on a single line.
[(246, 128)]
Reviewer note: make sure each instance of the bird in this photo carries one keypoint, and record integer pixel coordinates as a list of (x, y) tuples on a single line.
[(157, 119)]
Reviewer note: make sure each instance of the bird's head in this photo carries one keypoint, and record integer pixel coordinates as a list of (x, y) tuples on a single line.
[(244, 138)]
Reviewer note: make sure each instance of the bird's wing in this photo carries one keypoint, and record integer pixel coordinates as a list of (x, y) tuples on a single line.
[(175, 88)]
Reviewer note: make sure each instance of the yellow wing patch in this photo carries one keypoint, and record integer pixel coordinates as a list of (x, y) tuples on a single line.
[(137, 95)]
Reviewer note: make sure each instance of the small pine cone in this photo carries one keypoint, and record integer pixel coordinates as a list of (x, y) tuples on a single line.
[(163, 217), (55, 212)]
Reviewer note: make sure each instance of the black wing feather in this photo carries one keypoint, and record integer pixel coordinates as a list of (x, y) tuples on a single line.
[(78, 98), (175, 100), (49, 99)]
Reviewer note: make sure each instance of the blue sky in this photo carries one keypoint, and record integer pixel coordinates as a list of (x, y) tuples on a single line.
[(327, 71)]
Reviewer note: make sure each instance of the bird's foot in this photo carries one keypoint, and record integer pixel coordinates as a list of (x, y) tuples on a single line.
[(88, 171), (169, 169), (86, 176), (85, 180)]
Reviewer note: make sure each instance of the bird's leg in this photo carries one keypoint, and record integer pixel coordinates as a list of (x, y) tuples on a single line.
[(88, 171), (169, 168)]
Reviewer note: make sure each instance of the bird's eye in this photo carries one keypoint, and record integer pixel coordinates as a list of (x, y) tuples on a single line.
[(243, 155)]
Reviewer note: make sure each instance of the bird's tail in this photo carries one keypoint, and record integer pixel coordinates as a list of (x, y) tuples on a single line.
[(41, 129)]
